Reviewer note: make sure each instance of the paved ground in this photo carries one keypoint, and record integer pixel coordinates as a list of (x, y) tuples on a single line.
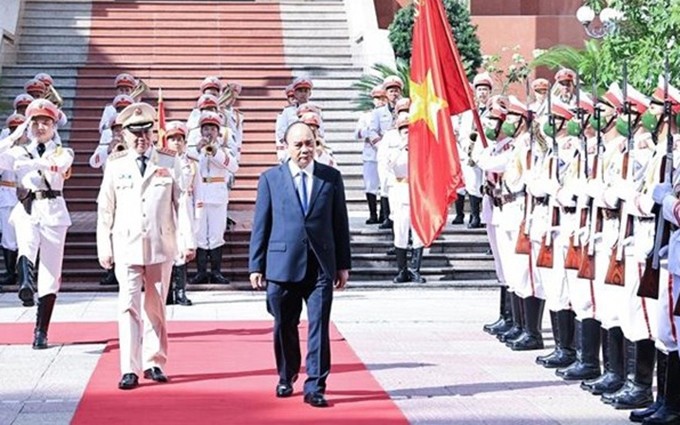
[(425, 347)]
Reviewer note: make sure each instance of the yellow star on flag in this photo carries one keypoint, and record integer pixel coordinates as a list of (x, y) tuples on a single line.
[(426, 104)]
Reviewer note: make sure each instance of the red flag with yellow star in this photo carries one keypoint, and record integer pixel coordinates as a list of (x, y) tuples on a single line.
[(438, 89)]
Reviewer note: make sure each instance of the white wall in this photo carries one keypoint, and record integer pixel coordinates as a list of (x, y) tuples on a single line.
[(370, 44), (9, 15)]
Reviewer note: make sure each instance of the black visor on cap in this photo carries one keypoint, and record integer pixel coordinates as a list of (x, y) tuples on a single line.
[(139, 127)]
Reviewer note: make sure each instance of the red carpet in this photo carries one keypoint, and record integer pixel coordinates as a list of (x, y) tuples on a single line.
[(221, 373)]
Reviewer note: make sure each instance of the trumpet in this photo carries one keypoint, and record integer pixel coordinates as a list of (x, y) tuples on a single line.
[(207, 147), (139, 89), (53, 96)]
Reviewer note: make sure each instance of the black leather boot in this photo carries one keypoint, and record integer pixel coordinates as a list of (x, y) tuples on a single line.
[(564, 353), (179, 282), (10, 257), (661, 365), (504, 322), (109, 278), (201, 267), (215, 266), (170, 298), (614, 365), (460, 206), (416, 261), (587, 364), (26, 275), (669, 412), (637, 391), (402, 267), (42, 322), (475, 209), (385, 213), (372, 201), (531, 337), (517, 321)]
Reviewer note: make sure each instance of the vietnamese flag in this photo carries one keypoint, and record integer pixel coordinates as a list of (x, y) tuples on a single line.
[(162, 142), (438, 89)]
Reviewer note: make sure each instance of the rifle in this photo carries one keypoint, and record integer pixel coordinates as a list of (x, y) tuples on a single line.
[(617, 261), (586, 269), (523, 245), (545, 253), (649, 282), (573, 258)]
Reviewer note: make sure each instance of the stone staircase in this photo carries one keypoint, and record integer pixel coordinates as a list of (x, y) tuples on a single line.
[(173, 45)]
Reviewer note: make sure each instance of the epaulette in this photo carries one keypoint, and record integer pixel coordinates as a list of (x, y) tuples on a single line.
[(167, 151), (116, 155), (60, 149)]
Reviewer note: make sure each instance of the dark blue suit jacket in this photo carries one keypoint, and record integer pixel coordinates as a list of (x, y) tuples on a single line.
[(282, 236)]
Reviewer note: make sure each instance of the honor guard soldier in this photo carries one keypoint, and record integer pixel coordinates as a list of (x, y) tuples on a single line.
[(215, 162), (141, 210), (35, 88), (323, 153), (20, 103), (8, 200), (302, 91), (124, 83), (281, 148), (39, 90), (566, 81), (369, 155), (206, 103), (467, 136), (111, 138), (539, 106), (666, 410), (234, 116), (399, 197), (175, 133), (41, 218), (382, 121)]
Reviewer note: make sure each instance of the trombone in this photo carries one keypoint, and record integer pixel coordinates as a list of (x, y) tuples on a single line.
[(53, 96), (139, 89)]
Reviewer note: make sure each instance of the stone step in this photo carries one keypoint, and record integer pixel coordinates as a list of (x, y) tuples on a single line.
[(179, 24), (197, 32), (188, 49)]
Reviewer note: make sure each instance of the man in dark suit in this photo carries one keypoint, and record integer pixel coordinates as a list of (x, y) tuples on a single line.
[(299, 251)]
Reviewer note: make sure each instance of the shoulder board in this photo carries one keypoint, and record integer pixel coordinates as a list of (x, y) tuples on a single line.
[(116, 155), (166, 151)]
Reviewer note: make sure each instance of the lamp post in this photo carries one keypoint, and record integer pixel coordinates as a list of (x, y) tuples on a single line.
[(608, 17)]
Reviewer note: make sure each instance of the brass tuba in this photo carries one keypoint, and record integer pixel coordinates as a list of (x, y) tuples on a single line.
[(139, 89), (53, 96)]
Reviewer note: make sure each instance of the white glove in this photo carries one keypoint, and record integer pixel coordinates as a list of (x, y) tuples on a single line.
[(626, 191), (551, 187), (660, 192), (19, 131), (610, 196), (565, 198), (536, 189)]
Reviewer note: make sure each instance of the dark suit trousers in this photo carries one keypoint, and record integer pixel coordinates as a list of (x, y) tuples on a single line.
[(284, 302)]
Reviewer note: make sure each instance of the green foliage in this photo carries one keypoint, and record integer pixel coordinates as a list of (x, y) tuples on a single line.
[(516, 73), (364, 102), (464, 33), (641, 39)]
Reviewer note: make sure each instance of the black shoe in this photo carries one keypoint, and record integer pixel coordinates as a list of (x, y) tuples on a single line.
[(632, 396), (558, 358), (578, 371), (387, 224), (607, 383), (156, 374), (181, 297), (665, 415), (26, 296), (218, 278), (40, 340), (316, 400), (639, 415), (526, 342), (475, 223), (128, 382), (284, 390), (512, 334), (459, 219)]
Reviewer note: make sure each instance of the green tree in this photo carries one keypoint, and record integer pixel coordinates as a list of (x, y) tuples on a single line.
[(364, 101), (641, 39), (464, 33)]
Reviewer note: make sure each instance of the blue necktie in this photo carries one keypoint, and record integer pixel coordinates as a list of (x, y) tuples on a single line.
[(303, 192)]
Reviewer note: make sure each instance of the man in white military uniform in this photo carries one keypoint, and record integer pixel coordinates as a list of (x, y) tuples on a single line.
[(302, 91), (8, 200), (21, 102), (41, 219), (382, 121), (142, 245), (369, 154), (467, 138), (215, 162), (281, 147)]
